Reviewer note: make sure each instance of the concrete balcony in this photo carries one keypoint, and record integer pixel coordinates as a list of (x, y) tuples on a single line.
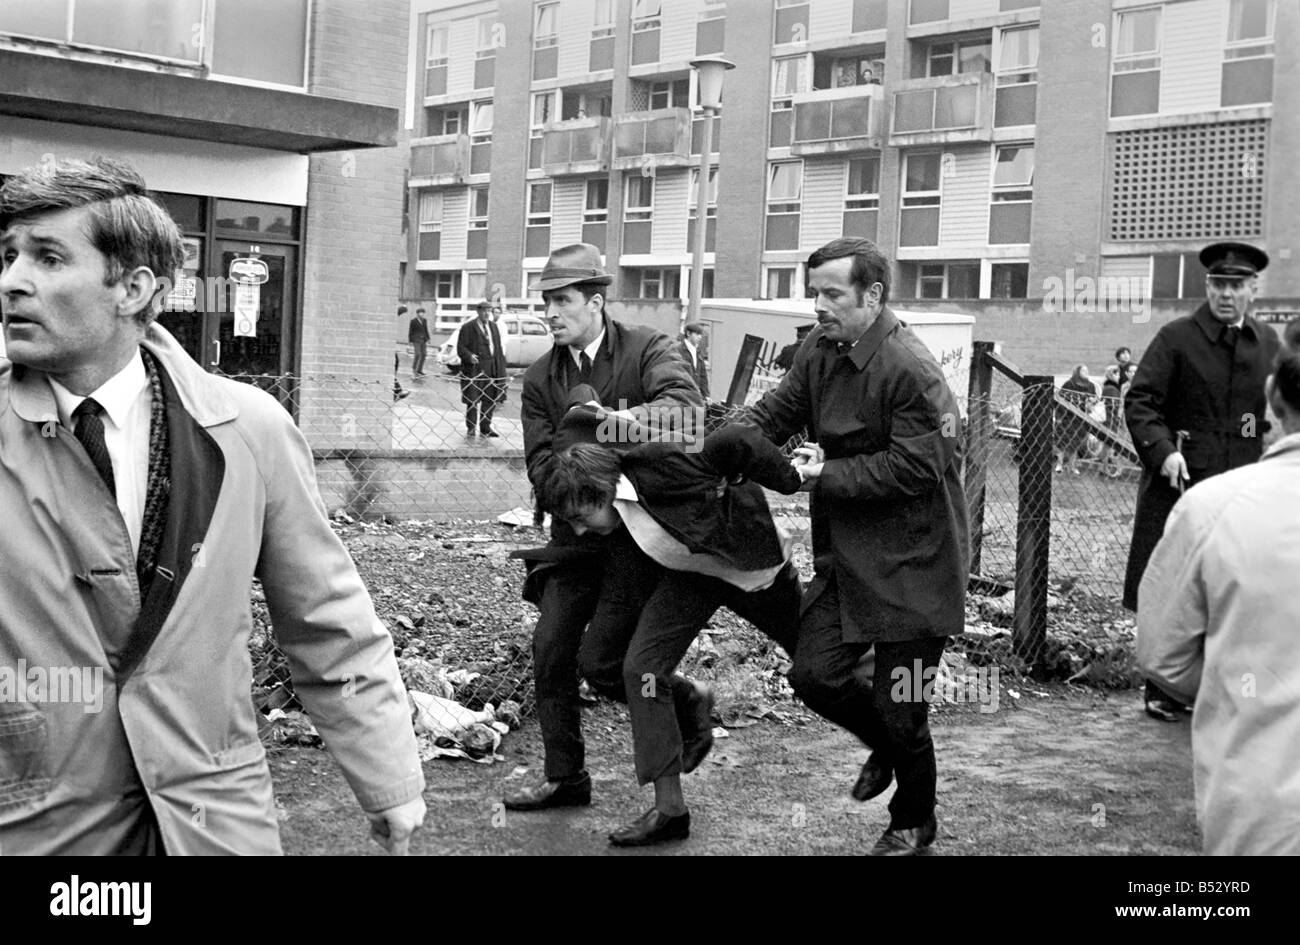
[(658, 138), (440, 161), (944, 110), (837, 121), (577, 146)]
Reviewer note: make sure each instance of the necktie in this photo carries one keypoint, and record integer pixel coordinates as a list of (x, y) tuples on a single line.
[(90, 434), (584, 369), (487, 334), (1230, 336)]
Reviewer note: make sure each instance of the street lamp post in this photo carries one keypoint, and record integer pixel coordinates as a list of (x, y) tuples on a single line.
[(709, 71)]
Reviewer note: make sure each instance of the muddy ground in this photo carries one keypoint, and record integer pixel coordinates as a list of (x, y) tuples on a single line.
[(1069, 771)]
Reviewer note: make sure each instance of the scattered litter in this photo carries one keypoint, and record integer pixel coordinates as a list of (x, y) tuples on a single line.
[(448, 729)]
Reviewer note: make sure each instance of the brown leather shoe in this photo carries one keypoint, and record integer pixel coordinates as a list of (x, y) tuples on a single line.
[(652, 827), (575, 792), (909, 841), (873, 780), (696, 746)]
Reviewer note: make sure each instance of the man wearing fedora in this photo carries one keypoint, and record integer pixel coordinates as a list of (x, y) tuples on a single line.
[(1196, 407), (483, 379), (628, 367)]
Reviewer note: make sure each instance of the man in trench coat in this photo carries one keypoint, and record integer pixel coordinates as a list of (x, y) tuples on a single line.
[(891, 550), (141, 496), (1196, 407)]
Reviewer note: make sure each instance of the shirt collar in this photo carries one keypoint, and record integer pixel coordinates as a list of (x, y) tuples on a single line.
[(590, 350), (1286, 444), (1214, 329), (625, 491), (689, 347), (117, 395), (868, 343)]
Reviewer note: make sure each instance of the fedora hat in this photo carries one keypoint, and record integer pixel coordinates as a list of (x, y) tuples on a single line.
[(573, 265)]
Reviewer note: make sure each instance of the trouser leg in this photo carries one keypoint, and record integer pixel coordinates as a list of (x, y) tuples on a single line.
[(902, 669), (773, 610), (823, 671), (568, 600), (660, 701), (629, 579)]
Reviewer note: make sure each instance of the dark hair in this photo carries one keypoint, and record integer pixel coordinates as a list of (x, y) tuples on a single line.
[(1123, 350), (870, 265), (588, 289), (1286, 377), (1291, 335), (419, 311), (693, 328), (126, 225), (583, 475), (401, 310)]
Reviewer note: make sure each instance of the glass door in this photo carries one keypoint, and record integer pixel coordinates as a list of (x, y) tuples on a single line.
[(252, 334)]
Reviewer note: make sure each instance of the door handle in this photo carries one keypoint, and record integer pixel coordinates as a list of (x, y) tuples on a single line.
[(216, 358)]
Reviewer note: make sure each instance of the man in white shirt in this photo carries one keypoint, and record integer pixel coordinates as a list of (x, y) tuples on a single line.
[(1219, 625)]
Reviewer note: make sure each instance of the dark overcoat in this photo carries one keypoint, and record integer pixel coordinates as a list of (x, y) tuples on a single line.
[(889, 517), (488, 376), (1192, 378)]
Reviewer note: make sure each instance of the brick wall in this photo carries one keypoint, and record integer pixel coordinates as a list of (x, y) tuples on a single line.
[(354, 208)]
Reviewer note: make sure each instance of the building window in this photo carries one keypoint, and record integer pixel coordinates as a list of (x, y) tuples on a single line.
[(953, 280), (595, 213), (710, 222), (1248, 55), (784, 196), (657, 283), (789, 78), (1135, 72), (638, 212), (546, 41), (601, 56), (435, 59), (544, 112), (446, 121), (440, 285), (919, 220), (711, 30), (791, 22), (480, 137), (646, 25), (868, 15), (475, 284), (173, 32), (839, 72), (1017, 77), (1013, 194), (861, 197), (1177, 276), (537, 239), (675, 94), (430, 235), (927, 11), (476, 245), (781, 282), (963, 57), (485, 59), (1009, 281)]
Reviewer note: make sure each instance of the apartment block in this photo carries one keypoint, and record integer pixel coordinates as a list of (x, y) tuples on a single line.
[(992, 147)]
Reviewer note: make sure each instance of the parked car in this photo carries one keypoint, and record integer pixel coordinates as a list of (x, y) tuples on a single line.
[(525, 338)]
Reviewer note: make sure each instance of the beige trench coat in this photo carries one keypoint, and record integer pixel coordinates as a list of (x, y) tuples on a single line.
[(175, 728)]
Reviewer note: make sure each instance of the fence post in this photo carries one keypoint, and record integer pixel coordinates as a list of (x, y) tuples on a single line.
[(978, 421), (1034, 518)]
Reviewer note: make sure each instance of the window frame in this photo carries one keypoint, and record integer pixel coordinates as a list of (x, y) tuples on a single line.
[(598, 214), (638, 213), (777, 205), (534, 217), (431, 222), (921, 198), (1014, 191), (476, 220), (864, 199), (546, 40), (692, 202)]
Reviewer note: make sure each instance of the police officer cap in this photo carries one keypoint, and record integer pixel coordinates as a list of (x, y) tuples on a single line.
[(1233, 259)]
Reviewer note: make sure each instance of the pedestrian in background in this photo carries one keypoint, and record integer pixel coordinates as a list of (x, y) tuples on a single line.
[(690, 350), (418, 336), (1071, 430), (483, 370), (1196, 408)]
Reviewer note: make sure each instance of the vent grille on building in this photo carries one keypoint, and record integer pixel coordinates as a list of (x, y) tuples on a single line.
[(1190, 182)]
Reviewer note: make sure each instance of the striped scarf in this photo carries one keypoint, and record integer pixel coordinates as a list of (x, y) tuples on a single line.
[(158, 489)]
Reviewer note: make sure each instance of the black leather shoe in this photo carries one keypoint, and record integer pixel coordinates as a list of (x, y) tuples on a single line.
[(697, 746), (652, 827), (909, 841), (1166, 710), (873, 780), (491, 433), (571, 793)]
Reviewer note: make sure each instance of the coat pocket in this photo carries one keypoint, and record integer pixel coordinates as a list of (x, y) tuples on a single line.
[(24, 770)]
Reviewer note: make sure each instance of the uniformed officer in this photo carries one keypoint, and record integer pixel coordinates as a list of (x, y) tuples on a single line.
[(1196, 407)]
